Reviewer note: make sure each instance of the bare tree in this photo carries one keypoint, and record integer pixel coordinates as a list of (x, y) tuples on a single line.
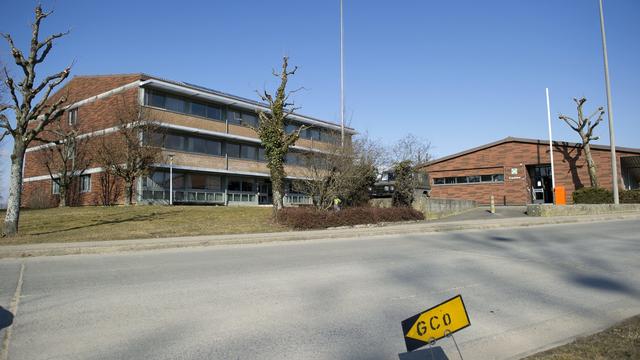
[(109, 189), (413, 149), (66, 159), (30, 120), (584, 127), (345, 172), (131, 152), (271, 130)]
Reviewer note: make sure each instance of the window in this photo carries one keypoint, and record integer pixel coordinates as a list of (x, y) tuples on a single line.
[(55, 188), (214, 112), (85, 183), (262, 154), (249, 120), (314, 134), (198, 109), (213, 147), (473, 179), (247, 185), (174, 104), (175, 142), (248, 152), (155, 99), (73, 117), (290, 128), (233, 150), (242, 118)]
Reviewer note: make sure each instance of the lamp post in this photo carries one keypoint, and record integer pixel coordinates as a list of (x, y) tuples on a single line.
[(612, 141), (171, 179), (341, 77)]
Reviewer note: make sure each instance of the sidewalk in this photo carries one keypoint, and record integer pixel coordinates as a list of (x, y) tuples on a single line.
[(98, 247)]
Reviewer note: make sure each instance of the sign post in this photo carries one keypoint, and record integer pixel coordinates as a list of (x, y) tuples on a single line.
[(435, 323)]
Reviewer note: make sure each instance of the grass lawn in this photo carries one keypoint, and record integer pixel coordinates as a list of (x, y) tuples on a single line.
[(621, 341), (117, 223)]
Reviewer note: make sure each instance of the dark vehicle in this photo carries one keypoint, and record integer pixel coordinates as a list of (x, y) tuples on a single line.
[(385, 184)]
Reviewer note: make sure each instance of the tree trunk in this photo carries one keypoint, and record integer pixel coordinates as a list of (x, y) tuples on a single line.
[(12, 217), (128, 192), (63, 197), (593, 176), (277, 188)]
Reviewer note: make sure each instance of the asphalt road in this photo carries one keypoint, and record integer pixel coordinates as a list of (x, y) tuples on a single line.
[(524, 289)]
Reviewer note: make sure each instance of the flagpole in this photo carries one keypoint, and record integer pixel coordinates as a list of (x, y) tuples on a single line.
[(553, 173), (612, 140), (341, 77)]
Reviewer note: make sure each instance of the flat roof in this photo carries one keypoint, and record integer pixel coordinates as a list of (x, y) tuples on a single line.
[(235, 100), (511, 139)]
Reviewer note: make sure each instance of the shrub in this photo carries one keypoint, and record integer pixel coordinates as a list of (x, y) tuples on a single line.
[(312, 218), (630, 197), (592, 196), (403, 193)]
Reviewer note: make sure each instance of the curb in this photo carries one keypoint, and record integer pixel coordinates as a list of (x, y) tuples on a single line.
[(112, 246)]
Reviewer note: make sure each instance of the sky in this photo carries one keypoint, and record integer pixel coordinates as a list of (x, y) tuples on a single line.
[(458, 73)]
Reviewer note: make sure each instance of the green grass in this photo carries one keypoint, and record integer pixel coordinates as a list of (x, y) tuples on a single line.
[(116, 223), (621, 341)]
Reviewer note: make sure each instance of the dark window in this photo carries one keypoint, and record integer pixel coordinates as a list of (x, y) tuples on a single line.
[(174, 104), (498, 178), (233, 150), (198, 181), (198, 109), (249, 120), (247, 185), (486, 178), (262, 154), (314, 134), (234, 185), (214, 112), (474, 179), (213, 147), (198, 145), (438, 181), (248, 152), (155, 99), (450, 180), (461, 180), (175, 142), (234, 117)]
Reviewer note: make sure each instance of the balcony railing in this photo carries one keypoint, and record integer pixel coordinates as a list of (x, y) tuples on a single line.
[(200, 196)]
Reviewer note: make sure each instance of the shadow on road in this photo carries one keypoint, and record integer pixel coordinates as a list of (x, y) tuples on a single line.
[(435, 353)]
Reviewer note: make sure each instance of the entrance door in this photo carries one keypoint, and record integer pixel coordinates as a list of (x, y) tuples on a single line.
[(541, 183), (265, 194)]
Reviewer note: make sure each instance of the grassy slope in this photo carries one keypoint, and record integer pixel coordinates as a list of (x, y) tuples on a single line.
[(116, 223), (621, 341)]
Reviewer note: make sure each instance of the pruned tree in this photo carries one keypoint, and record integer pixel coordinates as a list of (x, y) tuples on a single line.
[(413, 149), (66, 159), (127, 154), (584, 127), (272, 134), (109, 190), (30, 119)]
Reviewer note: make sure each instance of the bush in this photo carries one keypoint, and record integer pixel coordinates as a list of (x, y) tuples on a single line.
[(630, 197), (592, 196), (312, 218)]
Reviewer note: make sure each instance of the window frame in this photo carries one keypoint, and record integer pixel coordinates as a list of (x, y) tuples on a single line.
[(82, 183)]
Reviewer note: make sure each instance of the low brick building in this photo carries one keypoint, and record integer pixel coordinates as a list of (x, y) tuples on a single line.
[(517, 171)]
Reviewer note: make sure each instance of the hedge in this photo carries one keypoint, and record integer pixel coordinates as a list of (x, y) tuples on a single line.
[(604, 196), (312, 218)]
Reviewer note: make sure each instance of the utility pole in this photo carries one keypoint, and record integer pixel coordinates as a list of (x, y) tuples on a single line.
[(612, 141), (341, 77)]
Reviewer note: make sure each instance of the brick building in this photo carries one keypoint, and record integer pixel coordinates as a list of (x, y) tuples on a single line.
[(217, 158), (518, 171)]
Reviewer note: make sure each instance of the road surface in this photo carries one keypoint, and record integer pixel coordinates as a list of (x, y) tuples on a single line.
[(524, 289)]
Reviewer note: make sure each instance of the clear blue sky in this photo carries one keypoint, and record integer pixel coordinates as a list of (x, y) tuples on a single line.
[(459, 73)]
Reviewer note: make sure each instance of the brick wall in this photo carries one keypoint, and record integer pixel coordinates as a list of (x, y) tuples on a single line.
[(569, 162)]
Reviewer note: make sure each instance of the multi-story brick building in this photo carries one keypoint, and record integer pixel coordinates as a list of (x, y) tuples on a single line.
[(518, 171), (216, 157)]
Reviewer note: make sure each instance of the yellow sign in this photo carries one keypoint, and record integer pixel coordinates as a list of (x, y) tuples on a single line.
[(435, 323)]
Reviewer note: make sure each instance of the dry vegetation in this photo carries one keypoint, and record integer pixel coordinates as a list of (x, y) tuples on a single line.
[(618, 342), (117, 223)]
